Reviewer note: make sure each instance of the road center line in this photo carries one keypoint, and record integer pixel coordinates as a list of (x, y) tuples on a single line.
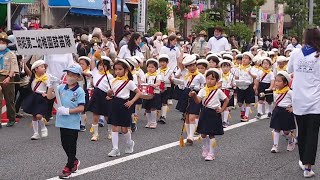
[(144, 153)]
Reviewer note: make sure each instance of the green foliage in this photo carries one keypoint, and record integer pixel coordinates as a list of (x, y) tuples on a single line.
[(316, 13), (205, 22), (241, 31), (247, 6), (158, 12), (180, 11)]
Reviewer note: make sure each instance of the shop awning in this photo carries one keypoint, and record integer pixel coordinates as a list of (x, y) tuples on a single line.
[(93, 8)]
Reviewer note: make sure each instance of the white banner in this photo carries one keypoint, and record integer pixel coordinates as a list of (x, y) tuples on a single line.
[(42, 42), (142, 16)]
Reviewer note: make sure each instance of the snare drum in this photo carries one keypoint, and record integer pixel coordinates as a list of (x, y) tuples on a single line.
[(162, 86), (227, 92), (147, 91)]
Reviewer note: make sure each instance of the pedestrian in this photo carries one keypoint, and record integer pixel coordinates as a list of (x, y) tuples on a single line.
[(200, 44), (120, 117), (125, 39), (8, 67), (132, 48), (218, 43), (210, 122), (98, 103), (166, 74), (282, 116), (263, 84), (245, 90), (36, 102), (304, 64), (193, 81), (68, 116), (152, 105), (294, 43)]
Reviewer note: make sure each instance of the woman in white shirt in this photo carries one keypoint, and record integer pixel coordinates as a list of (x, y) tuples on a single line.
[(305, 64), (132, 49), (294, 43)]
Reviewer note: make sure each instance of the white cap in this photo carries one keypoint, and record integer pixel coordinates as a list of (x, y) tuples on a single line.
[(203, 61), (164, 37), (106, 58), (281, 59), (266, 58), (235, 50), (254, 47), (85, 58), (214, 70), (124, 61), (227, 56), (286, 75), (209, 52), (37, 64), (288, 49), (188, 60), (212, 55), (256, 59), (271, 53), (248, 54), (222, 53), (197, 55), (132, 61), (153, 60), (275, 50), (139, 59), (225, 61), (163, 56), (239, 55)]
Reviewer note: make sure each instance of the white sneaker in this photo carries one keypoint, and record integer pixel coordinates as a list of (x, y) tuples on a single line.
[(94, 138), (210, 157), (170, 102), (114, 153), (291, 146), (274, 149), (35, 136), (109, 136), (44, 132), (205, 152), (301, 165), (308, 174), (129, 148)]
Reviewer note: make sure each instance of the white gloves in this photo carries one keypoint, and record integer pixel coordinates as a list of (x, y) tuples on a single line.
[(63, 111), (52, 81)]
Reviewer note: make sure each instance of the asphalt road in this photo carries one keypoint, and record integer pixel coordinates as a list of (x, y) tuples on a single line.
[(242, 153)]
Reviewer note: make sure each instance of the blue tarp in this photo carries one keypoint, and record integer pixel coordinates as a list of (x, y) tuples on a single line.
[(4, 1), (90, 12)]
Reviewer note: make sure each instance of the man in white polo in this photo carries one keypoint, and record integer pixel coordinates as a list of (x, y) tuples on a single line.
[(218, 43)]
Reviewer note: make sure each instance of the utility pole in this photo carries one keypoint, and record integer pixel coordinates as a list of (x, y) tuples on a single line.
[(258, 29), (311, 5), (9, 15)]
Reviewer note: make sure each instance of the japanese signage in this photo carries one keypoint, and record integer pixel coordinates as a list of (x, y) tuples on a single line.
[(142, 16), (41, 42)]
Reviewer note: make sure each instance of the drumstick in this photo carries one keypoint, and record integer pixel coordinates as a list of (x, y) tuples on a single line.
[(105, 72)]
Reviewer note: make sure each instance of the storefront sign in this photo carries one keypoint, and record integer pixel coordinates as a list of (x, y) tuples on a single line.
[(142, 16), (41, 42)]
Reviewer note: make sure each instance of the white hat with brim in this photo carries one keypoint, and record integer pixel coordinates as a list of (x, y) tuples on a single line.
[(275, 50), (202, 61), (281, 59), (213, 70), (139, 59), (153, 60), (248, 54), (266, 58), (163, 56), (225, 61), (37, 64), (239, 56), (271, 53), (286, 75), (197, 55), (254, 47), (212, 55), (235, 50), (227, 56), (188, 60), (164, 37), (123, 61), (132, 61), (256, 58), (85, 58), (288, 49)]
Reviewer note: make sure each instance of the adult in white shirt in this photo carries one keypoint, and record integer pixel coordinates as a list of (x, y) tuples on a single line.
[(132, 49), (305, 65), (218, 43), (158, 44), (172, 51), (294, 43)]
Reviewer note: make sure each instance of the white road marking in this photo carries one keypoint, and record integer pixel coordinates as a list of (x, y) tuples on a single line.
[(144, 153)]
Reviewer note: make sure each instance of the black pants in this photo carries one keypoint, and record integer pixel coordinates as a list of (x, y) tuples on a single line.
[(49, 111), (308, 126), (23, 93), (69, 139)]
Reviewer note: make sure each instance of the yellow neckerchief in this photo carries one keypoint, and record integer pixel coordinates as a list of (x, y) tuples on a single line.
[(282, 69), (225, 76), (134, 72), (163, 70), (122, 78), (190, 75), (244, 68), (102, 72), (152, 74), (258, 67), (210, 89), (87, 70), (138, 68), (282, 91), (266, 71), (42, 78), (274, 59)]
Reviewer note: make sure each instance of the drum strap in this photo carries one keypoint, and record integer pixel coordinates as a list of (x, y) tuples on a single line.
[(98, 82), (37, 86), (123, 85), (206, 102), (280, 98), (265, 74), (189, 83)]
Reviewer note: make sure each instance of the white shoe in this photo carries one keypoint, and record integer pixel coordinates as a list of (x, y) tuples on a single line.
[(95, 138), (291, 146), (274, 149), (308, 174), (170, 102), (301, 165), (44, 132), (35, 136), (210, 157), (109, 136), (129, 148), (114, 153)]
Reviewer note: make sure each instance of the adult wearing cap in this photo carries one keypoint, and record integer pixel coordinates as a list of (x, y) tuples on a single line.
[(218, 43), (305, 64), (281, 65), (200, 44), (8, 67)]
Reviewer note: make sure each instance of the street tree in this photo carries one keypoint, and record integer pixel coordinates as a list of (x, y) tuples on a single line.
[(158, 12)]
